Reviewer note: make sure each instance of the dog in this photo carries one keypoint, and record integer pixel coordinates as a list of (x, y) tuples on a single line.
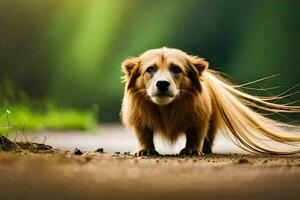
[(171, 93)]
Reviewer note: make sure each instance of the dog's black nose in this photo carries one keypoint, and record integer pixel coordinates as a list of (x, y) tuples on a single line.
[(162, 85)]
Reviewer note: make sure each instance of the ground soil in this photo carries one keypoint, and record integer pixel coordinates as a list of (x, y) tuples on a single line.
[(57, 174), (30, 169)]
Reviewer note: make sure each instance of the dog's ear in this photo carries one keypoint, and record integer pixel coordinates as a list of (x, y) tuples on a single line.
[(128, 65), (199, 63), (196, 66)]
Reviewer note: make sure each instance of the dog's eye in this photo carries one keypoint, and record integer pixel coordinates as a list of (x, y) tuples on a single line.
[(175, 69), (151, 70)]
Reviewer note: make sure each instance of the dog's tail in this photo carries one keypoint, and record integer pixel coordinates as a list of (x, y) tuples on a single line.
[(241, 118)]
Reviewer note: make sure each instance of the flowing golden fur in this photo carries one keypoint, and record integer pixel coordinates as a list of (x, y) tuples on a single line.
[(198, 102)]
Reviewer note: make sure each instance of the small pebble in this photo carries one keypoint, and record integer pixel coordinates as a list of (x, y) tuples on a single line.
[(78, 152), (117, 152), (243, 161), (100, 150)]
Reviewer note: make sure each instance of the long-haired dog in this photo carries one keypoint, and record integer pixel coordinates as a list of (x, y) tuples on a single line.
[(170, 93)]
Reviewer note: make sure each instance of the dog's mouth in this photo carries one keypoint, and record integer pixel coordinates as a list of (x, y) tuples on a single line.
[(163, 95), (162, 98)]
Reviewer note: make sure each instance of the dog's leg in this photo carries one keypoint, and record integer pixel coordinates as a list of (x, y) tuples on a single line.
[(194, 141), (210, 137), (145, 138), (207, 146)]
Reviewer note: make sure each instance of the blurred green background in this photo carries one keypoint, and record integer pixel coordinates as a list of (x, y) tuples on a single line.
[(68, 53)]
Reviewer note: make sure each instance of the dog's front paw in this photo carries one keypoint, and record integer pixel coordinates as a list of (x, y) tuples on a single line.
[(189, 152), (147, 152)]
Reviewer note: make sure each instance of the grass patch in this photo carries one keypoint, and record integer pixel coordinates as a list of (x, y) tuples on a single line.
[(27, 118), (4, 123)]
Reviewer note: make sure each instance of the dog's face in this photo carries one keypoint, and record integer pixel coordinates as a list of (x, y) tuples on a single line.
[(164, 74)]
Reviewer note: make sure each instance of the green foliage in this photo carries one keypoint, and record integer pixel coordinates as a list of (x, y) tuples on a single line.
[(4, 123), (23, 117)]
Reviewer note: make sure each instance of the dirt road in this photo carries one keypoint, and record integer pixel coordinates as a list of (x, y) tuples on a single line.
[(106, 176), (63, 175)]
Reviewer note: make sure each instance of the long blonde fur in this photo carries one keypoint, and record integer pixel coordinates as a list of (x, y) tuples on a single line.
[(248, 127)]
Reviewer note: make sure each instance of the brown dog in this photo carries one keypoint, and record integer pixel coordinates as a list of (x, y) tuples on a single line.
[(170, 93)]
